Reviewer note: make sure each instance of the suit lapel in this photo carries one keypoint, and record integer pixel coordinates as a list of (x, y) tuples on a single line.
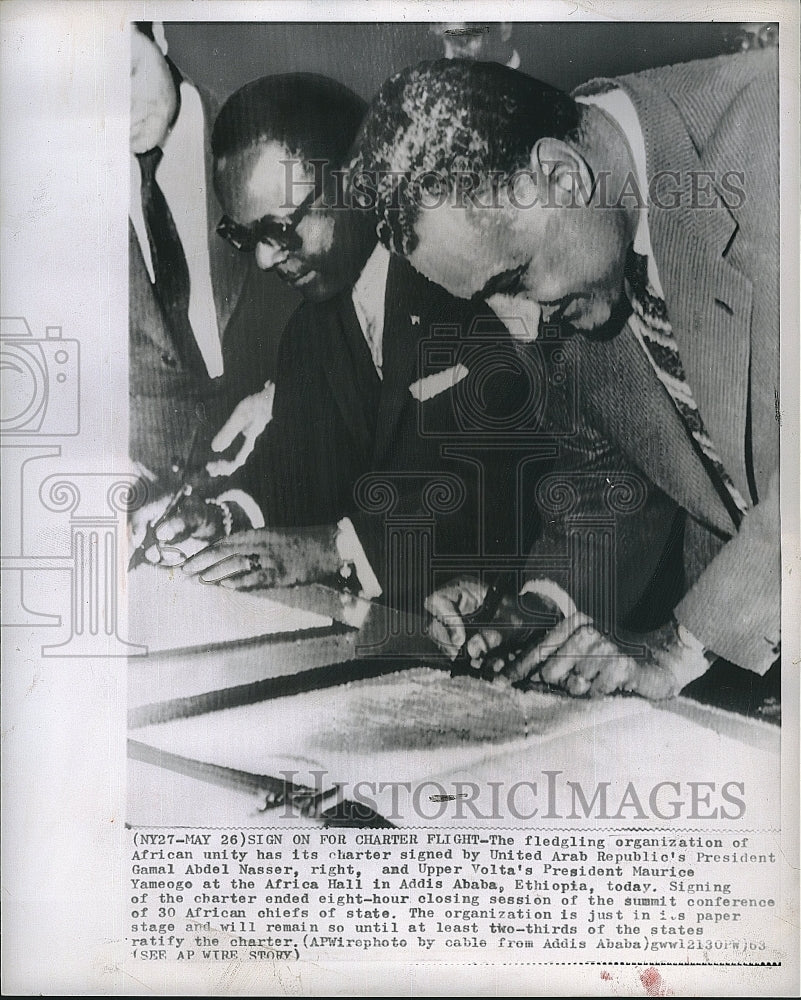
[(401, 338), (708, 301), (347, 370)]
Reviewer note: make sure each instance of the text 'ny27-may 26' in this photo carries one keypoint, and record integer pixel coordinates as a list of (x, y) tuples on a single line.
[(620, 896)]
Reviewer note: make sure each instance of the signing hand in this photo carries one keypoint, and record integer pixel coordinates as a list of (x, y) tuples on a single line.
[(268, 557), (194, 518), (170, 529), (514, 620), (140, 519), (447, 606), (577, 658), (251, 415)]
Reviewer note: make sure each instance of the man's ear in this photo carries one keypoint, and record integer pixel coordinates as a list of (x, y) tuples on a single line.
[(567, 174)]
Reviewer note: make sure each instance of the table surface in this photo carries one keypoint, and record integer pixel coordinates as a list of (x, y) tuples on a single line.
[(377, 701)]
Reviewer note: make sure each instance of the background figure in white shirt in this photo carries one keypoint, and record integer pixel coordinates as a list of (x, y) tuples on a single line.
[(196, 308)]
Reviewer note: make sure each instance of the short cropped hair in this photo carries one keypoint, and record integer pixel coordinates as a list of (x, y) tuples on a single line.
[(313, 116), (444, 117)]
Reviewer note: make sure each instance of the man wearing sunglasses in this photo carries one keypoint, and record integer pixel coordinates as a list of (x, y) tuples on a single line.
[(356, 418)]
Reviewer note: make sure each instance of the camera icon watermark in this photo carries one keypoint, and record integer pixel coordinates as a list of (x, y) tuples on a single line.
[(40, 381), (498, 390)]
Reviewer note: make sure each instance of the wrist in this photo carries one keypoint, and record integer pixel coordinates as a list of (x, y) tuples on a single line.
[(686, 639), (354, 567), (692, 659)]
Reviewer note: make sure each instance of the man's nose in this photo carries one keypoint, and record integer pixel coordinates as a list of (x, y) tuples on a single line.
[(269, 254)]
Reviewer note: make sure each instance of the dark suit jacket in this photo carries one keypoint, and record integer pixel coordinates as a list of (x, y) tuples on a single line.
[(714, 125), (170, 397), (433, 473)]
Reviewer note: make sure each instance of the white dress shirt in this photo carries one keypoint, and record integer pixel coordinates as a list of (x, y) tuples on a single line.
[(368, 296)]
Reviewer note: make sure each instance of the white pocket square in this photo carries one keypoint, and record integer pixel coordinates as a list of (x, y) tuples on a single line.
[(432, 385)]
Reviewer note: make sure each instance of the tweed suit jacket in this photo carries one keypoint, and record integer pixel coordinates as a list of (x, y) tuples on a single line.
[(171, 396), (711, 138)]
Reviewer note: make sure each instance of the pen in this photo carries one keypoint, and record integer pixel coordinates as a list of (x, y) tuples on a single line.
[(185, 489), (478, 619)]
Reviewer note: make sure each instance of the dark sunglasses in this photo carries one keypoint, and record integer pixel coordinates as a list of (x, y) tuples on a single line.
[(280, 232)]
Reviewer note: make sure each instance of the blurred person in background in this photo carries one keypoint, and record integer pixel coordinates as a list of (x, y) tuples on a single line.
[(196, 307)]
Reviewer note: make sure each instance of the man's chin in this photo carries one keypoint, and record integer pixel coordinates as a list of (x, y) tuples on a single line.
[(307, 283), (595, 327), (147, 134), (316, 287), (313, 290)]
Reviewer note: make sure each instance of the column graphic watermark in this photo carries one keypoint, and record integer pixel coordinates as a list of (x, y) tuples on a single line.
[(40, 380)]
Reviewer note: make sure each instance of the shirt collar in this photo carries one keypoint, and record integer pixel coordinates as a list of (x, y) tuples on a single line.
[(618, 105), (373, 273), (369, 294), (188, 125)]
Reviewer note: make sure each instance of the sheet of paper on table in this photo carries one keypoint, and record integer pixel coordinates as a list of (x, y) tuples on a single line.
[(408, 725), (422, 725), (169, 610)]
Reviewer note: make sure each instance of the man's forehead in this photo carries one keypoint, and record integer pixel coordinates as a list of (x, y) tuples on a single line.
[(267, 177)]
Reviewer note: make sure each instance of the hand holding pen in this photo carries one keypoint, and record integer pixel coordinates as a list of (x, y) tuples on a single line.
[(545, 641), (484, 628), (469, 658), (184, 514), (149, 550)]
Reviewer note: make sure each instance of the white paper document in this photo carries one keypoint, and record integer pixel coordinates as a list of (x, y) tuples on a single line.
[(169, 610)]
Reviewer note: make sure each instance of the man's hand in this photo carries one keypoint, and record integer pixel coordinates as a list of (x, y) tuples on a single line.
[(139, 520), (268, 557), (575, 657), (193, 520), (251, 415), (447, 606), (512, 624)]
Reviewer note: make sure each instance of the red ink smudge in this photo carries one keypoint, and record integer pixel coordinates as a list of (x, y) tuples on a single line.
[(606, 975), (654, 986)]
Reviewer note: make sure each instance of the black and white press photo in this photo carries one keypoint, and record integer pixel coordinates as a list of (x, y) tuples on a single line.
[(421, 496)]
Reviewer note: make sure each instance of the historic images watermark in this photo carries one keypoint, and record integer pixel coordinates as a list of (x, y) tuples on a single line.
[(549, 795), (466, 184)]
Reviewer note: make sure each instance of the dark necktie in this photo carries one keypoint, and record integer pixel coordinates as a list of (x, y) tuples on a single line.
[(169, 261), (651, 325)]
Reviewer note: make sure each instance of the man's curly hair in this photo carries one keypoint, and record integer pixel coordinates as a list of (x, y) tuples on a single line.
[(432, 123)]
